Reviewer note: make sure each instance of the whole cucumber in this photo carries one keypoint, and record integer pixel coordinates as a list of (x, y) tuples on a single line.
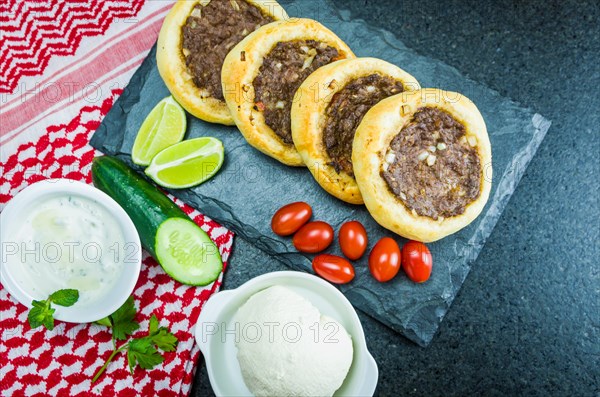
[(180, 246), (147, 206)]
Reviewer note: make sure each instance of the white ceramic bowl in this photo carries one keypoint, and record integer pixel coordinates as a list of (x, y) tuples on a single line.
[(219, 348), (15, 211)]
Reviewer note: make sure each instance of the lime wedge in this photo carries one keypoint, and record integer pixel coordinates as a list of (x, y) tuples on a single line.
[(187, 164), (164, 126)]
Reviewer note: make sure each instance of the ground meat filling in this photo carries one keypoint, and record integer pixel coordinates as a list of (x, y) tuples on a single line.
[(432, 167), (283, 70), (345, 112), (209, 34)]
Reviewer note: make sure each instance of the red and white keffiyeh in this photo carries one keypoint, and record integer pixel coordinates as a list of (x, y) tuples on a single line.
[(64, 63)]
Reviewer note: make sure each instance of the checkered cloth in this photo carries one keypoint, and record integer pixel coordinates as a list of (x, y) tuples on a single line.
[(64, 63)]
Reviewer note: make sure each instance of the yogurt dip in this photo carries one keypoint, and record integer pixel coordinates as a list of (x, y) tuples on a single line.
[(68, 241), (286, 347)]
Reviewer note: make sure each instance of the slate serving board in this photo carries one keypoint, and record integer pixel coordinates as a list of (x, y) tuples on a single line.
[(251, 186)]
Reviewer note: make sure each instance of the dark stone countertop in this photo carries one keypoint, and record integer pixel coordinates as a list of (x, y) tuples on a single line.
[(527, 320)]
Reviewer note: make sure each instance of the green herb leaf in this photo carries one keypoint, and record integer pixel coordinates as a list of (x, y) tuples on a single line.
[(149, 359), (161, 336), (165, 340), (41, 314), (41, 304), (131, 360), (104, 321), (48, 320), (123, 323), (142, 352), (65, 297), (153, 327)]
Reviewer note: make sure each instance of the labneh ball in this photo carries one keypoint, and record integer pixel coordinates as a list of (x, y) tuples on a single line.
[(286, 347)]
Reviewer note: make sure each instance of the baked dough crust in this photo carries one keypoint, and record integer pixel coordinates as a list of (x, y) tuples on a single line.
[(242, 65), (309, 118), (174, 72), (372, 140)]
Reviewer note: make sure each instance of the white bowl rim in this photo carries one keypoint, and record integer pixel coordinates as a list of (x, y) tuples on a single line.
[(116, 298), (209, 312)]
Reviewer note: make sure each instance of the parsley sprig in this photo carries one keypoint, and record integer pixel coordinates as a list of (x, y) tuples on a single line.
[(142, 351), (42, 313)]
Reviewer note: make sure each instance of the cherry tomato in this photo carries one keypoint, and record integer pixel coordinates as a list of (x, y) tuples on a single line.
[(313, 237), (333, 268), (353, 239), (416, 261), (289, 218), (385, 259)]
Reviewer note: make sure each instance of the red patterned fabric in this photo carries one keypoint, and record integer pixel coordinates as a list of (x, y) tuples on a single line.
[(63, 361), (33, 32), (53, 42)]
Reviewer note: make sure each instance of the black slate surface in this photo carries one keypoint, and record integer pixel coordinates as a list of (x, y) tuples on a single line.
[(251, 187), (527, 321)]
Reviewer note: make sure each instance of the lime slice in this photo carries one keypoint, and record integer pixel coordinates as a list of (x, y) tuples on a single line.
[(164, 126), (188, 163)]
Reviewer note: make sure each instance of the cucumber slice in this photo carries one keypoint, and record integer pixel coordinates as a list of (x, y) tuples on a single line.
[(186, 252)]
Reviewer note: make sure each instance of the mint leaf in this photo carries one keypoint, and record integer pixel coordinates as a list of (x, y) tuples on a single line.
[(48, 320), (143, 353), (41, 314), (41, 304), (65, 297), (123, 323)]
